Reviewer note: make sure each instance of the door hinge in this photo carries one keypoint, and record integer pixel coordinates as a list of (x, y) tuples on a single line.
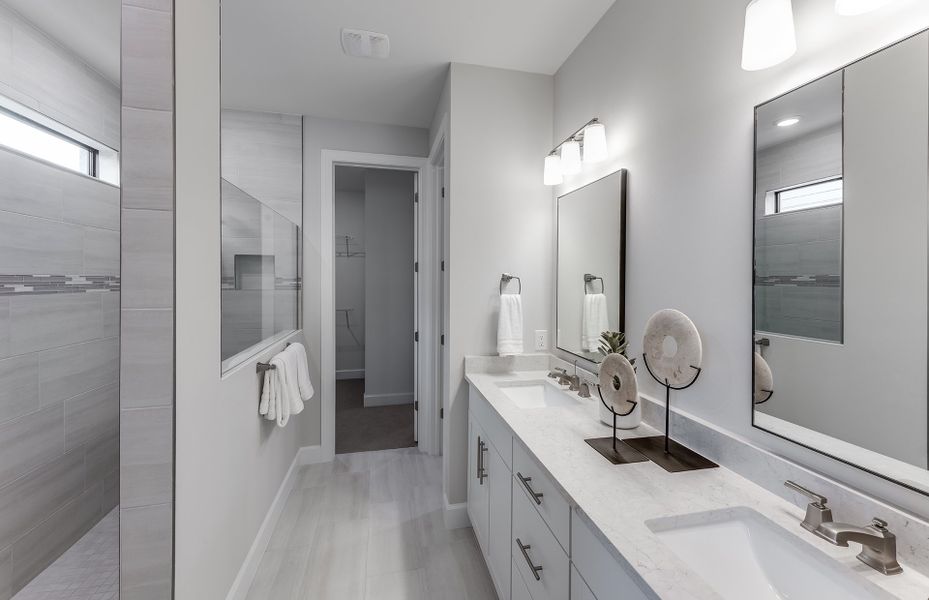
[(416, 267), (416, 405), (442, 339), (443, 266), (443, 191), (415, 336), (441, 413), (416, 197)]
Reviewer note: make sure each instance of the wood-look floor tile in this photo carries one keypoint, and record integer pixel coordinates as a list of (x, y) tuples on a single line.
[(400, 585)]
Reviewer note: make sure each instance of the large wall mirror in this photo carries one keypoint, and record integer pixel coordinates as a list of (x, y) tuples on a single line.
[(591, 258), (840, 255)]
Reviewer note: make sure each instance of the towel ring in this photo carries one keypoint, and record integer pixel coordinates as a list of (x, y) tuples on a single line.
[(506, 278), (588, 279)]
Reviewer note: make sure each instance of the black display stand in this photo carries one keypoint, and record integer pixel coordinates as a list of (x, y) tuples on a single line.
[(661, 449), (612, 448)]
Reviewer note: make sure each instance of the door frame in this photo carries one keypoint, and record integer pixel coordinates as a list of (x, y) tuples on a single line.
[(428, 411)]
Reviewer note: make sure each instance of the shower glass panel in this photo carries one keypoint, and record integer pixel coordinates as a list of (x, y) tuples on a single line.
[(260, 274)]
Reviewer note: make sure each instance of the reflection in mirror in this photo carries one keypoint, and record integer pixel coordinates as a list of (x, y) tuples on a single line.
[(591, 274), (60, 282), (840, 254)]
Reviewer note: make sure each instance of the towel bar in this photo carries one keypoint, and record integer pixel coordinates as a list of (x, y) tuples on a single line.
[(262, 367), (506, 278)]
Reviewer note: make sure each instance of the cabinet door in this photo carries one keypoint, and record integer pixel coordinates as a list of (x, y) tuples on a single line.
[(498, 560), (478, 485)]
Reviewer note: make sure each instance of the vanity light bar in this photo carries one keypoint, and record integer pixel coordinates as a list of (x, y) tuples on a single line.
[(589, 141)]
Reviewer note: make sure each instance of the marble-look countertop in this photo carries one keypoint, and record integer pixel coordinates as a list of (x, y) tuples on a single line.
[(617, 500)]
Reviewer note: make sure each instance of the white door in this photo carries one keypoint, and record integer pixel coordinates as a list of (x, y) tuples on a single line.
[(416, 323)]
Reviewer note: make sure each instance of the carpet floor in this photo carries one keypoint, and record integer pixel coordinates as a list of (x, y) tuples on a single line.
[(360, 429)]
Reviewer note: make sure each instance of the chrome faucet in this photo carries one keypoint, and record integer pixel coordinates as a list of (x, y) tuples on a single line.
[(878, 544)]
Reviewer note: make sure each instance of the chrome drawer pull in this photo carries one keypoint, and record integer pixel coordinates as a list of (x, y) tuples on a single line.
[(537, 496), (481, 449), (535, 569)]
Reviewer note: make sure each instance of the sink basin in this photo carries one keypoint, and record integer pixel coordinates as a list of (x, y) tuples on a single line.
[(536, 394), (742, 554)]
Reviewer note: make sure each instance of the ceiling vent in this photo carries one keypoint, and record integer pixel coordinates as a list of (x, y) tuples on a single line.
[(366, 44)]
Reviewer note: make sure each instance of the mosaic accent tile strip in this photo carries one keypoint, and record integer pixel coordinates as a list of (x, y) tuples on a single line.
[(228, 283), (11, 285), (801, 280)]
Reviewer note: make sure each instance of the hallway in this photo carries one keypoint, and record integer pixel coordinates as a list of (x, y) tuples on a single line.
[(365, 429), (370, 526)]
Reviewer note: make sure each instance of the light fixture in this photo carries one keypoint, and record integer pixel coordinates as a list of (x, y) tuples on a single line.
[(595, 142), (571, 157), (857, 7), (769, 37), (788, 122), (565, 158), (553, 174)]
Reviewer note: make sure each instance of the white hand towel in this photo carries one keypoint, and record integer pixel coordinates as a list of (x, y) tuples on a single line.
[(264, 406), (510, 325), (280, 391), (292, 380), (595, 321), (303, 372)]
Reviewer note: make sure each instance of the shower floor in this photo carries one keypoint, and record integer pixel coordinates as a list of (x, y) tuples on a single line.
[(88, 570)]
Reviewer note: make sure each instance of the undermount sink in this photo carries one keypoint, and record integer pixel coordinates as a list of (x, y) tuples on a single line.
[(536, 394), (742, 554)]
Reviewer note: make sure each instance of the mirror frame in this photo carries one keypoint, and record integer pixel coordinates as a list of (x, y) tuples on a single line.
[(623, 176), (751, 355)]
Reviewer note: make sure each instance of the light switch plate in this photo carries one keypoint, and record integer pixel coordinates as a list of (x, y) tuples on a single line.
[(541, 339)]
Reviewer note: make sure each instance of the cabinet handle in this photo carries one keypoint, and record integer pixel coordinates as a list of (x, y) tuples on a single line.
[(537, 496), (481, 449), (524, 549)]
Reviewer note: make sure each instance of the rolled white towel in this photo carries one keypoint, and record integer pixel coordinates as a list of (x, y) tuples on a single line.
[(510, 325), (595, 321)]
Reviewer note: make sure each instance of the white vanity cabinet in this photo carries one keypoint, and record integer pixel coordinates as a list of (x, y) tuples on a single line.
[(490, 501), (522, 520)]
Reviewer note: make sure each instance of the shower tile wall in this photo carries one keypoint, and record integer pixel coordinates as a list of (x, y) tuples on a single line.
[(146, 530), (59, 301)]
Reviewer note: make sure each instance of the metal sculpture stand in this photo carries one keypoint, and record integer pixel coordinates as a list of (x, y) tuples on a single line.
[(612, 448), (661, 449)]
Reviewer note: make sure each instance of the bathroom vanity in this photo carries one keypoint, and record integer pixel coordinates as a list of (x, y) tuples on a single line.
[(555, 520)]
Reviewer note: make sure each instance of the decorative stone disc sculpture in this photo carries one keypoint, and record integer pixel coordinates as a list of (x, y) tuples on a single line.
[(764, 380), (672, 347), (617, 383)]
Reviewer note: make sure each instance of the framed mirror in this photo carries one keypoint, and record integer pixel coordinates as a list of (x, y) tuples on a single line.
[(591, 265), (841, 214)]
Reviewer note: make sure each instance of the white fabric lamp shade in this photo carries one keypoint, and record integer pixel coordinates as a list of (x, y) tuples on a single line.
[(858, 7), (770, 37), (595, 143), (552, 175), (571, 157)]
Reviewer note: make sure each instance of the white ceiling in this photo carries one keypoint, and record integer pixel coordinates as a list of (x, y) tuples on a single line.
[(88, 28), (285, 56)]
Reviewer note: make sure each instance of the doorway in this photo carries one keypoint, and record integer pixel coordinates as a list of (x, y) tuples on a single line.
[(375, 308)]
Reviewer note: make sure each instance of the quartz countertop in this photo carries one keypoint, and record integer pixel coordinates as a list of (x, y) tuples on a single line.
[(617, 500)]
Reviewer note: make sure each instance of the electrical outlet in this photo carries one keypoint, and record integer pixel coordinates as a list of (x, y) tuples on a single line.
[(541, 339)]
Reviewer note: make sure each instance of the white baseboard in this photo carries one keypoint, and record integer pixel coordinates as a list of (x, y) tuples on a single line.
[(311, 455), (388, 399), (456, 515), (243, 581), (350, 374)]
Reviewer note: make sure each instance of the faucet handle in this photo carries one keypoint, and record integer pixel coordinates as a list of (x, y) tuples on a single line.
[(817, 499), (817, 512), (879, 524)]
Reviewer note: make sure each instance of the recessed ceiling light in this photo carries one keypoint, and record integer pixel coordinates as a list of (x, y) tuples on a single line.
[(365, 44), (788, 122)]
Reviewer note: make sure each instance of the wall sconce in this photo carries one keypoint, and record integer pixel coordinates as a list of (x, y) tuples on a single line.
[(850, 8), (769, 37), (586, 145)]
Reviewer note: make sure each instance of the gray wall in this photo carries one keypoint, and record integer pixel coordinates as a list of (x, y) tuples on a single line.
[(350, 286), (147, 323), (389, 239), (502, 219), (59, 313), (679, 117)]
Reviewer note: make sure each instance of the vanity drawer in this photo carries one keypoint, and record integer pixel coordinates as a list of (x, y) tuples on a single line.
[(520, 589), (607, 578), (534, 545), (497, 431), (552, 506)]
